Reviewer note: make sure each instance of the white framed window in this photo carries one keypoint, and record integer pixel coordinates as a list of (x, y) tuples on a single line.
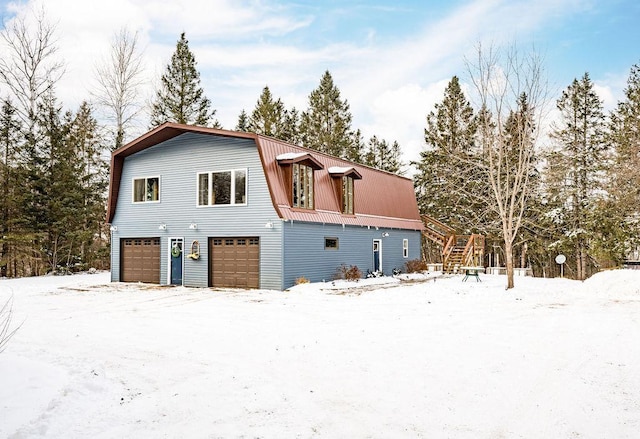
[(146, 190), (222, 188), (405, 248)]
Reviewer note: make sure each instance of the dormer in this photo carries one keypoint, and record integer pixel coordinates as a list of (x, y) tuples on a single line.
[(343, 178), (299, 179)]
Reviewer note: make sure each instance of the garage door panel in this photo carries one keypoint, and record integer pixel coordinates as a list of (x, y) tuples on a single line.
[(140, 260), (234, 262)]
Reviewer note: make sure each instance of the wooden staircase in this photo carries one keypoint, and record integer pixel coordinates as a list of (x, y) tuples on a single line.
[(457, 250)]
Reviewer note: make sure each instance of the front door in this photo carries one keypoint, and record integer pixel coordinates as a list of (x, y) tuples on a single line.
[(176, 255), (377, 255)]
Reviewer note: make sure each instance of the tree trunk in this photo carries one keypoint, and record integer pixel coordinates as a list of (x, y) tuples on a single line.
[(508, 256)]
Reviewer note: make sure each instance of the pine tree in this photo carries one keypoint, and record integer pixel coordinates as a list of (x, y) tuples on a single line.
[(381, 155), (180, 97), (268, 117), (326, 125), (291, 130), (88, 147), (582, 159), (10, 186), (243, 122), (62, 194), (624, 207), (443, 167)]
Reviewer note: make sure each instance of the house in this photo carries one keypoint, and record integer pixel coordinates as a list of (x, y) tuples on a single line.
[(205, 207)]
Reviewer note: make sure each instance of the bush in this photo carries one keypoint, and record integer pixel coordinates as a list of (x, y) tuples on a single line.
[(302, 280), (352, 272), (416, 265)]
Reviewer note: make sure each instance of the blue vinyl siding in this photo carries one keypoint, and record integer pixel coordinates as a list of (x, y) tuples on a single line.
[(177, 162), (305, 255)]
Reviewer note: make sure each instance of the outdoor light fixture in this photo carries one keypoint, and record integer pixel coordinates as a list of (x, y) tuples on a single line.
[(385, 234), (162, 226), (193, 226), (269, 225), (113, 228)]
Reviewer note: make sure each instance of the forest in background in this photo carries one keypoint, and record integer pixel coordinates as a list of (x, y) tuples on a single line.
[(492, 162)]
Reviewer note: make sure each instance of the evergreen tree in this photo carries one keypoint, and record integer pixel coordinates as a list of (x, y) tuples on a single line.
[(88, 147), (326, 125), (268, 117), (581, 161), (623, 210), (10, 185), (291, 130), (381, 155), (243, 122), (180, 98), (444, 167), (62, 194)]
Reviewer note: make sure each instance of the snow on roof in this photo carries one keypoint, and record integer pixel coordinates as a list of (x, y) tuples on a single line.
[(291, 155), (339, 169)]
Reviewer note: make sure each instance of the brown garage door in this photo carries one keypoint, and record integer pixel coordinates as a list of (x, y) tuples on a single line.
[(234, 262), (140, 260)]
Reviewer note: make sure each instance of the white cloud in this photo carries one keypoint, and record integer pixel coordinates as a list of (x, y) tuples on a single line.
[(241, 46)]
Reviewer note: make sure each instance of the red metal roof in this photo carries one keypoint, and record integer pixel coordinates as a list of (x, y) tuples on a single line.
[(381, 199)]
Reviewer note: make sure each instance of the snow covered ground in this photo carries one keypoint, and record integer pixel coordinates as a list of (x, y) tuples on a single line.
[(553, 358)]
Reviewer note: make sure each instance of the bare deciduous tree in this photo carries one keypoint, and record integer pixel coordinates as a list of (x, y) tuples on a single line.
[(119, 81), (30, 67), (512, 90)]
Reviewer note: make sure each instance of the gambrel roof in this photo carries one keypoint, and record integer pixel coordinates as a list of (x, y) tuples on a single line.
[(381, 199)]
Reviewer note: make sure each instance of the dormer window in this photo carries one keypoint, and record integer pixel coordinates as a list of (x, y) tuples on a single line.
[(299, 171), (302, 186), (347, 195), (344, 184)]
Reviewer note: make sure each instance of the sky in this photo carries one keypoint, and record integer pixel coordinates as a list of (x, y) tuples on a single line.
[(391, 60)]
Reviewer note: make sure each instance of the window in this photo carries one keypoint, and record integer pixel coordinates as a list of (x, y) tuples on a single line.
[(344, 186), (146, 190), (222, 188), (302, 186), (405, 248), (347, 195), (331, 243)]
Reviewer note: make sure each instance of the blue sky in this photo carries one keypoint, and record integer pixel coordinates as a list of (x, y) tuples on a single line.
[(390, 59)]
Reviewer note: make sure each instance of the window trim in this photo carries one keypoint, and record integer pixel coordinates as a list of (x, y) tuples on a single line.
[(405, 248), (133, 189), (232, 188)]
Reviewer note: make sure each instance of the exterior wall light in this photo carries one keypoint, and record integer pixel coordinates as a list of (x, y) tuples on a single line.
[(269, 225), (385, 234), (162, 226), (193, 226), (113, 228)]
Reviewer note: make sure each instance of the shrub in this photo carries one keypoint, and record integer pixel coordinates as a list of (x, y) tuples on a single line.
[(352, 272), (302, 280), (416, 265)]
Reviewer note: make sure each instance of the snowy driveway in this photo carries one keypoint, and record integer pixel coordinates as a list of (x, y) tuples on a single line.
[(550, 359)]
